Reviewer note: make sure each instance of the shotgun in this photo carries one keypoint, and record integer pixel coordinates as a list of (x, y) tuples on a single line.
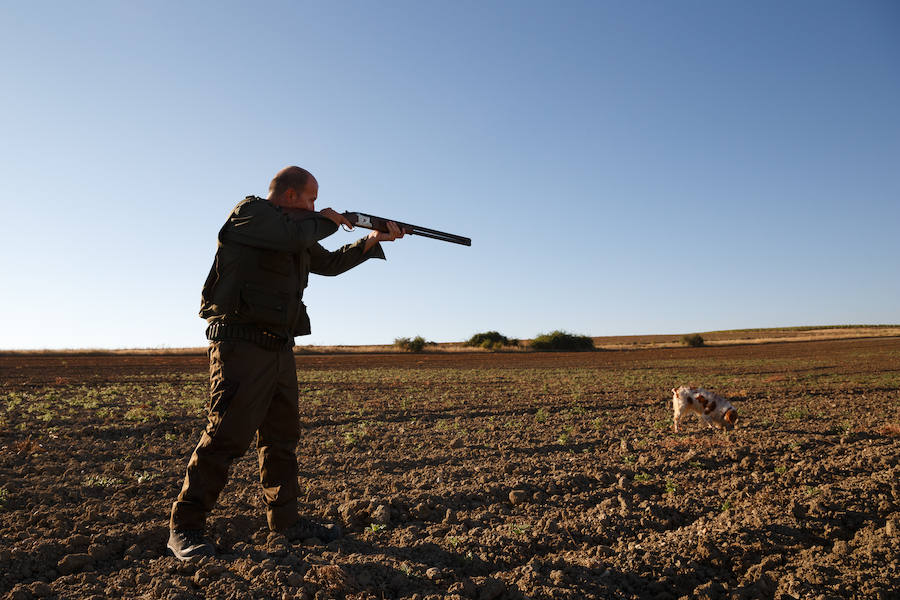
[(379, 224)]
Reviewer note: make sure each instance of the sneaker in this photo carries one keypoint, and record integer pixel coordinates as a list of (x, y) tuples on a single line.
[(304, 529), (189, 544)]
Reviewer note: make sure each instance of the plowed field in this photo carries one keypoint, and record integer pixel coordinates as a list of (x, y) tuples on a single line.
[(470, 475)]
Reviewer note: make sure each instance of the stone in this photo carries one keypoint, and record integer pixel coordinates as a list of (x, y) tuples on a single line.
[(74, 562), (517, 497), (381, 515)]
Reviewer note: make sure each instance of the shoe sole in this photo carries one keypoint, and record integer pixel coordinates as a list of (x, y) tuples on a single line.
[(184, 558)]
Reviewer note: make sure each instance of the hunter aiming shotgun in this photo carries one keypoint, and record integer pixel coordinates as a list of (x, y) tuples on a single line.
[(379, 224)]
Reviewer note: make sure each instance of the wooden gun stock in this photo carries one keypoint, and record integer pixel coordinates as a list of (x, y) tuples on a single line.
[(380, 224)]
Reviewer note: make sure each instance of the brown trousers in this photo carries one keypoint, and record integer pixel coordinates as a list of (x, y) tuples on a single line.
[(251, 390)]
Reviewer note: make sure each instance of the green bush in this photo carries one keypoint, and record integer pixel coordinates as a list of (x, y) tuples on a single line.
[(411, 345), (694, 340), (560, 340), (490, 339)]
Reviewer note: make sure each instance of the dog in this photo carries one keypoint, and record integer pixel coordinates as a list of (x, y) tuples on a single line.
[(715, 410)]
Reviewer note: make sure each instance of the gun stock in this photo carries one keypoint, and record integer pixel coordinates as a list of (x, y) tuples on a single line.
[(365, 221)]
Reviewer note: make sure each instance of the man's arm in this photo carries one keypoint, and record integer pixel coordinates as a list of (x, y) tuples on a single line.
[(260, 224), (323, 262)]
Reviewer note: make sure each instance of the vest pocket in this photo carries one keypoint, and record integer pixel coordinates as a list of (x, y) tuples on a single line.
[(262, 305)]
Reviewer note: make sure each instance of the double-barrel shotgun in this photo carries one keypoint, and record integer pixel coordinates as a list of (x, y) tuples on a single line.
[(359, 219)]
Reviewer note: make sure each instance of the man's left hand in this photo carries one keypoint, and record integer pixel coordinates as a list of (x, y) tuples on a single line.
[(393, 233)]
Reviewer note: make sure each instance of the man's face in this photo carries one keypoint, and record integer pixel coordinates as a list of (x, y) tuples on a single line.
[(305, 200)]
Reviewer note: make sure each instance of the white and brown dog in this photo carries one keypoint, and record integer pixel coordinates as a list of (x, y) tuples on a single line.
[(715, 410)]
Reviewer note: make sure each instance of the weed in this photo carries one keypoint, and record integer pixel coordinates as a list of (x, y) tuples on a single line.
[(671, 487), (541, 415), (629, 459), (101, 481), (726, 506), (520, 529), (597, 423), (170, 437), (642, 477), (664, 423), (376, 527), (145, 476), (812, 490), (696, 464), (780, 469), (453, 540), (565, 435), (796, 413)]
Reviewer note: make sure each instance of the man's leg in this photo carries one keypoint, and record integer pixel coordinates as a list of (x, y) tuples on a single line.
[(277, 447), (242, 381)]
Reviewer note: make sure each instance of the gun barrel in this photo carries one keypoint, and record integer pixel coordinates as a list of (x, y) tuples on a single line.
[(380, 224)]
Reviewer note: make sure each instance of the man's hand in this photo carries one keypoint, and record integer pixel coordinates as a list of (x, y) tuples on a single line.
[(337, 217), (393, 233)]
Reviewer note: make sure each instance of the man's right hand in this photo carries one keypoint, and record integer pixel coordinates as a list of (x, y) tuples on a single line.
[(337, 217)]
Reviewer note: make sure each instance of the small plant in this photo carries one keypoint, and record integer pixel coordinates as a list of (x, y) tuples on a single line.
[(796, 413), (453, 540), (541, 415), (694, 340), (170, 437), (696, 464), (780, 469), (560, 340), (376, 527), (416, 344), (145, 476), (671, 487), (565, 436), (642, 477), (597, 423), (101, 481), (664, 423), (520, 529), (726, 506), (629, 459), (4, 498)]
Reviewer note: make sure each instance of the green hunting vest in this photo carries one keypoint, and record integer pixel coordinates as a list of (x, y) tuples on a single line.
[(262, 265)]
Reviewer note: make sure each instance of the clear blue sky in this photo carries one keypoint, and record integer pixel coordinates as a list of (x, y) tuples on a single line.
[(622, 167)]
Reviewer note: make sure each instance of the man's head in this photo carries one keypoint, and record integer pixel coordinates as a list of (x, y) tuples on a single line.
[(294, 187)]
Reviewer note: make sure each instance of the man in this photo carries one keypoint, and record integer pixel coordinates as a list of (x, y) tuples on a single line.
[(252, 299)]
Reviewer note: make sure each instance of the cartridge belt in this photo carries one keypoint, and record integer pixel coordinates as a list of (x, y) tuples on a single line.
[(230, 332)]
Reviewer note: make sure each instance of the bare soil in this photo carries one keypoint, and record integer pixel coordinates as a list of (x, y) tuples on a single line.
[(470, 475)]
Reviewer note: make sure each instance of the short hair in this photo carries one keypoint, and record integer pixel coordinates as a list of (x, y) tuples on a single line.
[(288, 178)]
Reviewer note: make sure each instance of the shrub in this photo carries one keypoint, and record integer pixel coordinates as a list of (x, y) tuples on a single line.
[(694, 340), (410, 345), (560, 340), (490, 339)]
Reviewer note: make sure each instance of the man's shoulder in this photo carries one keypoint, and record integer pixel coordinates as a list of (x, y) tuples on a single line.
[(252, 205)]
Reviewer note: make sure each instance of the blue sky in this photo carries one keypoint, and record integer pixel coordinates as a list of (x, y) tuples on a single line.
[(622, 167)]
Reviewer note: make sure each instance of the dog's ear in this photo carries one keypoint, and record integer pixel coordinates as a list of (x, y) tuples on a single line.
[(731, 416)]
